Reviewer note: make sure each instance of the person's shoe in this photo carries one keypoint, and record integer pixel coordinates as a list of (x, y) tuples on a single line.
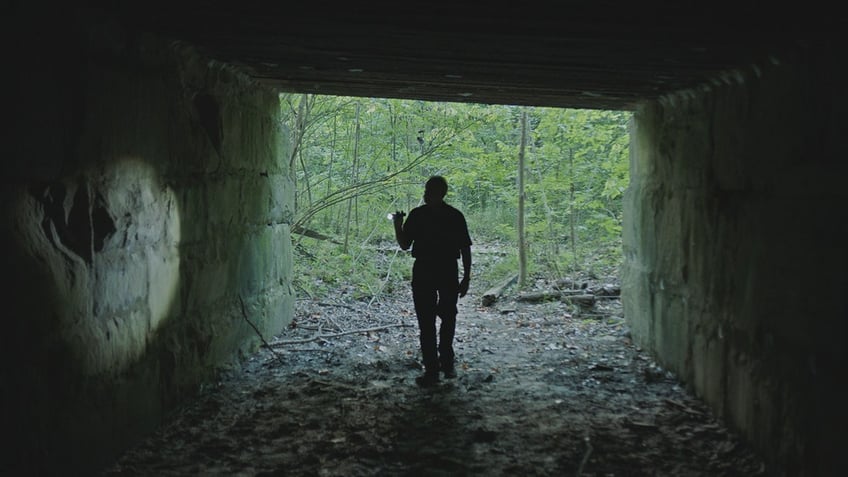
[(449, 373), (427, 380)]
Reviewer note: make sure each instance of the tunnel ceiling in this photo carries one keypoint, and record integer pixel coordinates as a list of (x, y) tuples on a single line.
[(590, 54)]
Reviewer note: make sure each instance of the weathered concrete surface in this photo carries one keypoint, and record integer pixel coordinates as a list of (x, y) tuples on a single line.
[(145, 196), (735, 272)]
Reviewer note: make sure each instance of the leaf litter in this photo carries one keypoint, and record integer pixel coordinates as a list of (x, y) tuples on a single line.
[(543, 389)]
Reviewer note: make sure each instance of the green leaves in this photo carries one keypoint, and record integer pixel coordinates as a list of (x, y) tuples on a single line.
[(577, 168)]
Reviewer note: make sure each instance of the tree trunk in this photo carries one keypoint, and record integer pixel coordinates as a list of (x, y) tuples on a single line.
[(353, 178), (572, 215), (552, 248), (306, 183), (522, 245), (328, 217), (303, 109)]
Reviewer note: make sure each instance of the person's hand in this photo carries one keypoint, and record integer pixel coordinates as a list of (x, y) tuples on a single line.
[(397, 217), (463, 287)]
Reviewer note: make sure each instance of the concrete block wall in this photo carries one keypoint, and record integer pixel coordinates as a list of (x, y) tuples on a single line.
[(146, 196), (735, 251)]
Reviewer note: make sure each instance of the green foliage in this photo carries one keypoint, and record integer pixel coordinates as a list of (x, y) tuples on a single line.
[(358, 159), (322, 268), (499, 270)]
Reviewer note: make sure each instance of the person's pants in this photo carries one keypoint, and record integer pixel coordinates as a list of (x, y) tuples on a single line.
[(435, 291)]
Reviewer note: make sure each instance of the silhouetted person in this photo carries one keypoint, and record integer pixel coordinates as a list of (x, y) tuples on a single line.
[(439, 236)]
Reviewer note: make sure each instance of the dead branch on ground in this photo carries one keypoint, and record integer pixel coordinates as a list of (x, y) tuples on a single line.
[(493, 293), (336, 335), (244, 314)]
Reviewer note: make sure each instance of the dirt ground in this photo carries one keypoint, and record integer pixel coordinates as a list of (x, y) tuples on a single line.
[(543, 389)]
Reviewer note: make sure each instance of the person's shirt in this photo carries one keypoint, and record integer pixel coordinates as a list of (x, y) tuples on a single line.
[(437, 231)]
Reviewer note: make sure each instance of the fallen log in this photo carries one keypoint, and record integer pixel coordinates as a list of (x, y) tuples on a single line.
[(538, 297), (493, 293), (608, 291), (587, 301), (573, 292), (568, 283)]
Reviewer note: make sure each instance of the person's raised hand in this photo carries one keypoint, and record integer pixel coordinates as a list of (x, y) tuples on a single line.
[(397, 217)]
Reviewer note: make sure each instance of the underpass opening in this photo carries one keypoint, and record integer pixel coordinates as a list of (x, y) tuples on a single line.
[(549, 381), (732, 148)]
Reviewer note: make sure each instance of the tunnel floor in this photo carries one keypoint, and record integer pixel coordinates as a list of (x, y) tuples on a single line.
[(543, 389)]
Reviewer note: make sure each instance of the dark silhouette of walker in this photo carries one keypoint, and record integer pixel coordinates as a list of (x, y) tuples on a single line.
[(438, 235)]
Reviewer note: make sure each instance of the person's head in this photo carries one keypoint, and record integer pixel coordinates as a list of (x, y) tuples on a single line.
[(435, 190)]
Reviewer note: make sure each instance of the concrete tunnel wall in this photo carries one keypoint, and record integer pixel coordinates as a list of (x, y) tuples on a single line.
[(147, 193), (735, 252)]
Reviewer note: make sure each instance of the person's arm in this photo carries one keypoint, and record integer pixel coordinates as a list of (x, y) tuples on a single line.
[(401, 236), (466, 270)]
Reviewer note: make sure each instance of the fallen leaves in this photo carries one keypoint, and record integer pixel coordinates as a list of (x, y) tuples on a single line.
[(545, 389)]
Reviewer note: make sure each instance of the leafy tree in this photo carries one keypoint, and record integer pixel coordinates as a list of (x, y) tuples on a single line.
[(576, 172)]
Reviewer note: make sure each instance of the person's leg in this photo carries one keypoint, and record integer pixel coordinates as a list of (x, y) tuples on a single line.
[(446, 309), (447, 312), (424, 298)]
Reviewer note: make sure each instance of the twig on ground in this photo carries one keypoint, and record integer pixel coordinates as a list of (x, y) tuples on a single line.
[(385, 281), (301, 288), (593, 315), (318, 328), (333, 322), (683, 407), (335, 384), (585, 456), (244, 314), (324, 303), (335, 335)]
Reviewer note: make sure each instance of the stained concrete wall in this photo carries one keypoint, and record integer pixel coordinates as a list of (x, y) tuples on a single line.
[(146, 199), (735, 251)]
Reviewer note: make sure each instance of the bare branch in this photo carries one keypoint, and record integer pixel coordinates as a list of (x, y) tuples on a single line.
[(336, 335)]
